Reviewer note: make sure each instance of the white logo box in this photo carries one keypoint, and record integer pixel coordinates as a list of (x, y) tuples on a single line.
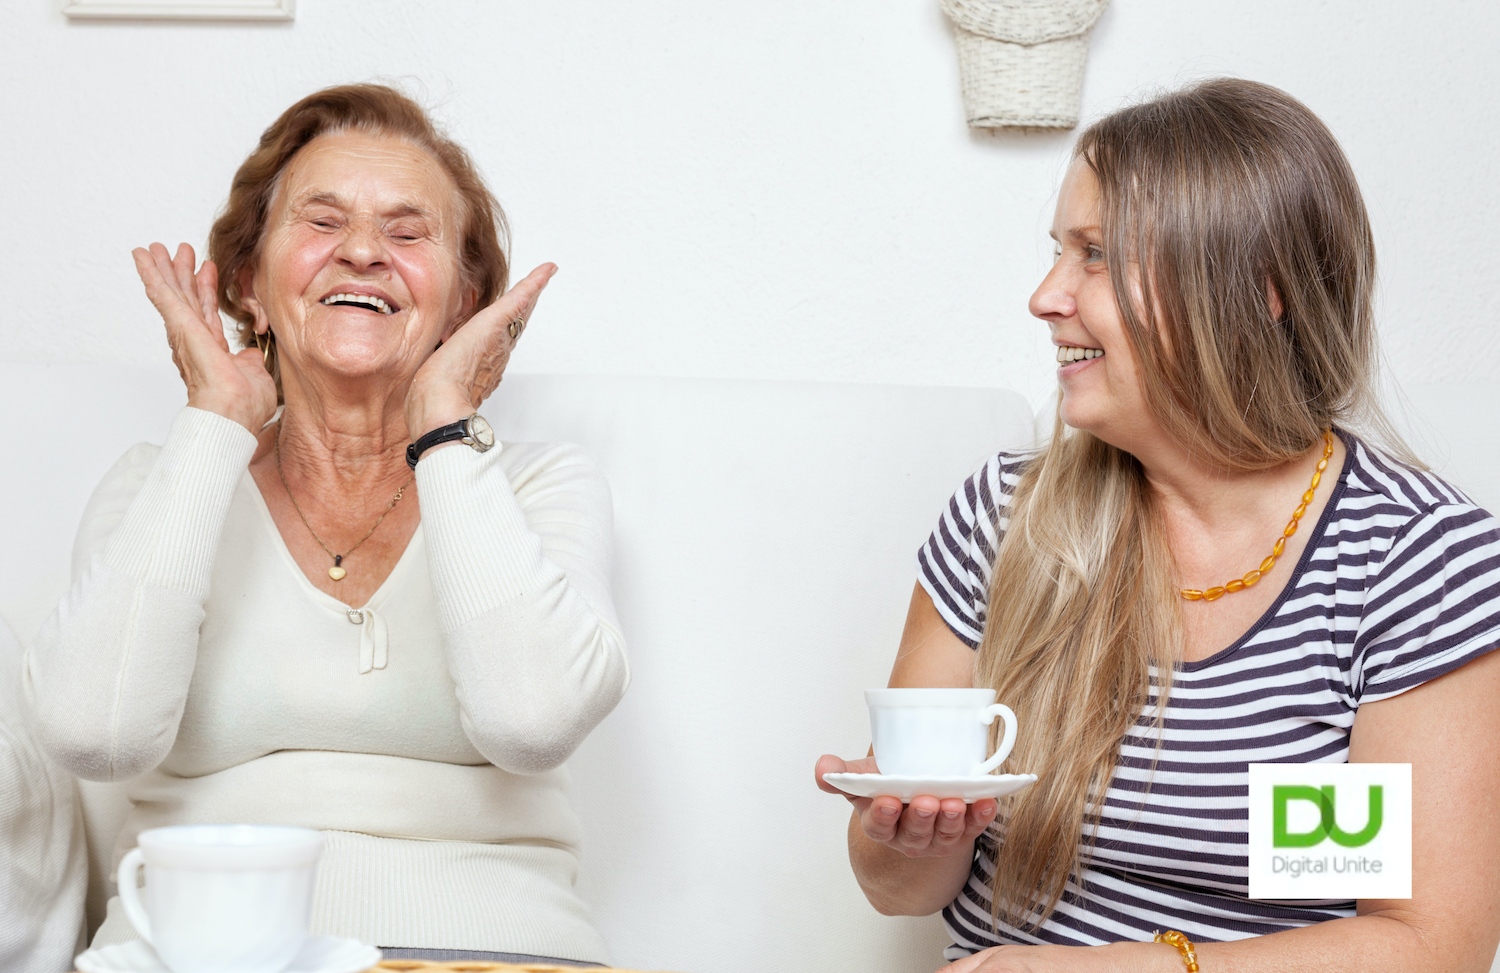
[(1377, 868)]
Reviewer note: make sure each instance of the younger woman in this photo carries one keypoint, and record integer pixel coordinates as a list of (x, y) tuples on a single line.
[(1206, 568)]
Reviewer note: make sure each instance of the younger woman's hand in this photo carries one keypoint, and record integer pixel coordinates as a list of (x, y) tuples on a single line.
[(927, 827), (1062, 959), (235, 386)]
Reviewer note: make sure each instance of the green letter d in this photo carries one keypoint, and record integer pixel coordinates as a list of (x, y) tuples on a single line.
[(1280, 795)]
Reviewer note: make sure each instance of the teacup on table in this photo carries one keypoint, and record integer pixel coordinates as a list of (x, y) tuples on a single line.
[(222, 898), (937, 733)]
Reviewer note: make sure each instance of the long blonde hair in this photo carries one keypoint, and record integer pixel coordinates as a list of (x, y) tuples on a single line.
[(1213, 192)]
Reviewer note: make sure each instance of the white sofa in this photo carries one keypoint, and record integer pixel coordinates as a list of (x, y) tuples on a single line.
[(765, 541), (766, 535), (41, 881)]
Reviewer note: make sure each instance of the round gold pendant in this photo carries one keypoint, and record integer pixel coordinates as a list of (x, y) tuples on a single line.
[(337, 573)]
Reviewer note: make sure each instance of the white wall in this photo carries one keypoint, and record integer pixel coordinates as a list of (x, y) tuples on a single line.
[(777, 189)]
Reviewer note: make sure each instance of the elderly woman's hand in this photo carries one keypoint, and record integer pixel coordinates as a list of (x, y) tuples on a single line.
[(236, 386), (467, 367)]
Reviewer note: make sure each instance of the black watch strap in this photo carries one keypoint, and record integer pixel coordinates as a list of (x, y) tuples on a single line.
[(442, 434)]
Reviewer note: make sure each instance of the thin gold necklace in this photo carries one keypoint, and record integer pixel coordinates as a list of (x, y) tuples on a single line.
[(338, 571), (1240, 584)]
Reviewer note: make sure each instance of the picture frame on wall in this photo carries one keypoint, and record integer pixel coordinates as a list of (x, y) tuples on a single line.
[(179, 9)]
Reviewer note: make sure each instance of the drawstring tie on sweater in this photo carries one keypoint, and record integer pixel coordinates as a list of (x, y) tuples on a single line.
[(374, 643)]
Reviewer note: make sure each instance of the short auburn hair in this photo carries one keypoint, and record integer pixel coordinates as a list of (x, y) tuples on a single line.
[(235, 240)]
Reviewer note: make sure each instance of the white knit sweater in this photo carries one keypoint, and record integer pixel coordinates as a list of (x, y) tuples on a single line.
[(423, 734)]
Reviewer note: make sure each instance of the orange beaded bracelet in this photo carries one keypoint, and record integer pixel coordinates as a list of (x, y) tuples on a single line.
[(1174, 938)]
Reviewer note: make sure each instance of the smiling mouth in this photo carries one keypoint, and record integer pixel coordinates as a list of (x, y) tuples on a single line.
[(367, 301), (1066, 354)]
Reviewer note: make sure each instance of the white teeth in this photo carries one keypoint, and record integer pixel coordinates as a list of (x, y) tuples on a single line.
[(368, 300), (1069, 353)]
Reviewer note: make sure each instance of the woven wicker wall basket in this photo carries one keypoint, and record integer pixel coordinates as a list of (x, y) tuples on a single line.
[(1021, 61)]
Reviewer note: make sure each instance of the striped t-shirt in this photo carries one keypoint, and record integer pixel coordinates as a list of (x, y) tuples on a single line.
[(1399, 584)]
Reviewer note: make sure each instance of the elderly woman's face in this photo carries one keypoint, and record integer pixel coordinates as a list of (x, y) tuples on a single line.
[(359, 270)]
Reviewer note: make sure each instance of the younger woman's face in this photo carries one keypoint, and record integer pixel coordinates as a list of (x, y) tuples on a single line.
[(1097, 379)]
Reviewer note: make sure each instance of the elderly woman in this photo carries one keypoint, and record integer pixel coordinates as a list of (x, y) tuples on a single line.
[(361, 614), (1211, 303)]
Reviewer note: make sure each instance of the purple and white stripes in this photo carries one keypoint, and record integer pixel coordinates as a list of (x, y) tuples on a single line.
[(1399, 585)]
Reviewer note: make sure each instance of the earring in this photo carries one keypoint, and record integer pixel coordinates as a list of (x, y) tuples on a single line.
[(263, 342)]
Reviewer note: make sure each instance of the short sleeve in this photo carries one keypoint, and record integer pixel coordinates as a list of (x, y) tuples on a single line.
[(1434, 603), (954, 565)]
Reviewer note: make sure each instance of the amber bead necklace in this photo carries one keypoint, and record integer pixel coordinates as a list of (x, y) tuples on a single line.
[(1250, 578)]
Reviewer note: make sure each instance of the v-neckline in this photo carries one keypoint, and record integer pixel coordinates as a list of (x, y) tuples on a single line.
[(1315, 542), (377, 597)]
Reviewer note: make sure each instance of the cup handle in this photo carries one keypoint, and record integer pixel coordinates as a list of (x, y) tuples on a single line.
[(130, 896), (987, 716)]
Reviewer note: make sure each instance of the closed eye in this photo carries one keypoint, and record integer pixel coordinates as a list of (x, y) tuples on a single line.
[(407, 233)]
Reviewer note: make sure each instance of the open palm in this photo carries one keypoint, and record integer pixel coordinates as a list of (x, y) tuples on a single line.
[(236, 386), (468, 367)]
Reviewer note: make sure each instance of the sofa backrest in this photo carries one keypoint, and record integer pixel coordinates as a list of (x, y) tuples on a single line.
[(766, 535)]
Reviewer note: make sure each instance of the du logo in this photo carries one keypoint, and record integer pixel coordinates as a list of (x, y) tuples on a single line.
[(1330, 831), (1327, 826)]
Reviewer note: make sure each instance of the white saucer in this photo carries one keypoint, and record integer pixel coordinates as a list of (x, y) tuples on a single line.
[(320, 954), (971, 789)]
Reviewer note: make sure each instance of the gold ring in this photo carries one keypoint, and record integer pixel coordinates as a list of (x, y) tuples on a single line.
[(514, 329)]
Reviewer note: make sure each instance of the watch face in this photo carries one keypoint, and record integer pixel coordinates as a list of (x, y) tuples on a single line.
[(481, 432)]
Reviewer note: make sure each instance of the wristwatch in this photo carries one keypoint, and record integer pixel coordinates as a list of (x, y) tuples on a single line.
[(473, 431)]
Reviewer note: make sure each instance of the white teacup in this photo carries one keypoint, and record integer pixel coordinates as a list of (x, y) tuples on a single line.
[(222, 898), (937, 732)]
